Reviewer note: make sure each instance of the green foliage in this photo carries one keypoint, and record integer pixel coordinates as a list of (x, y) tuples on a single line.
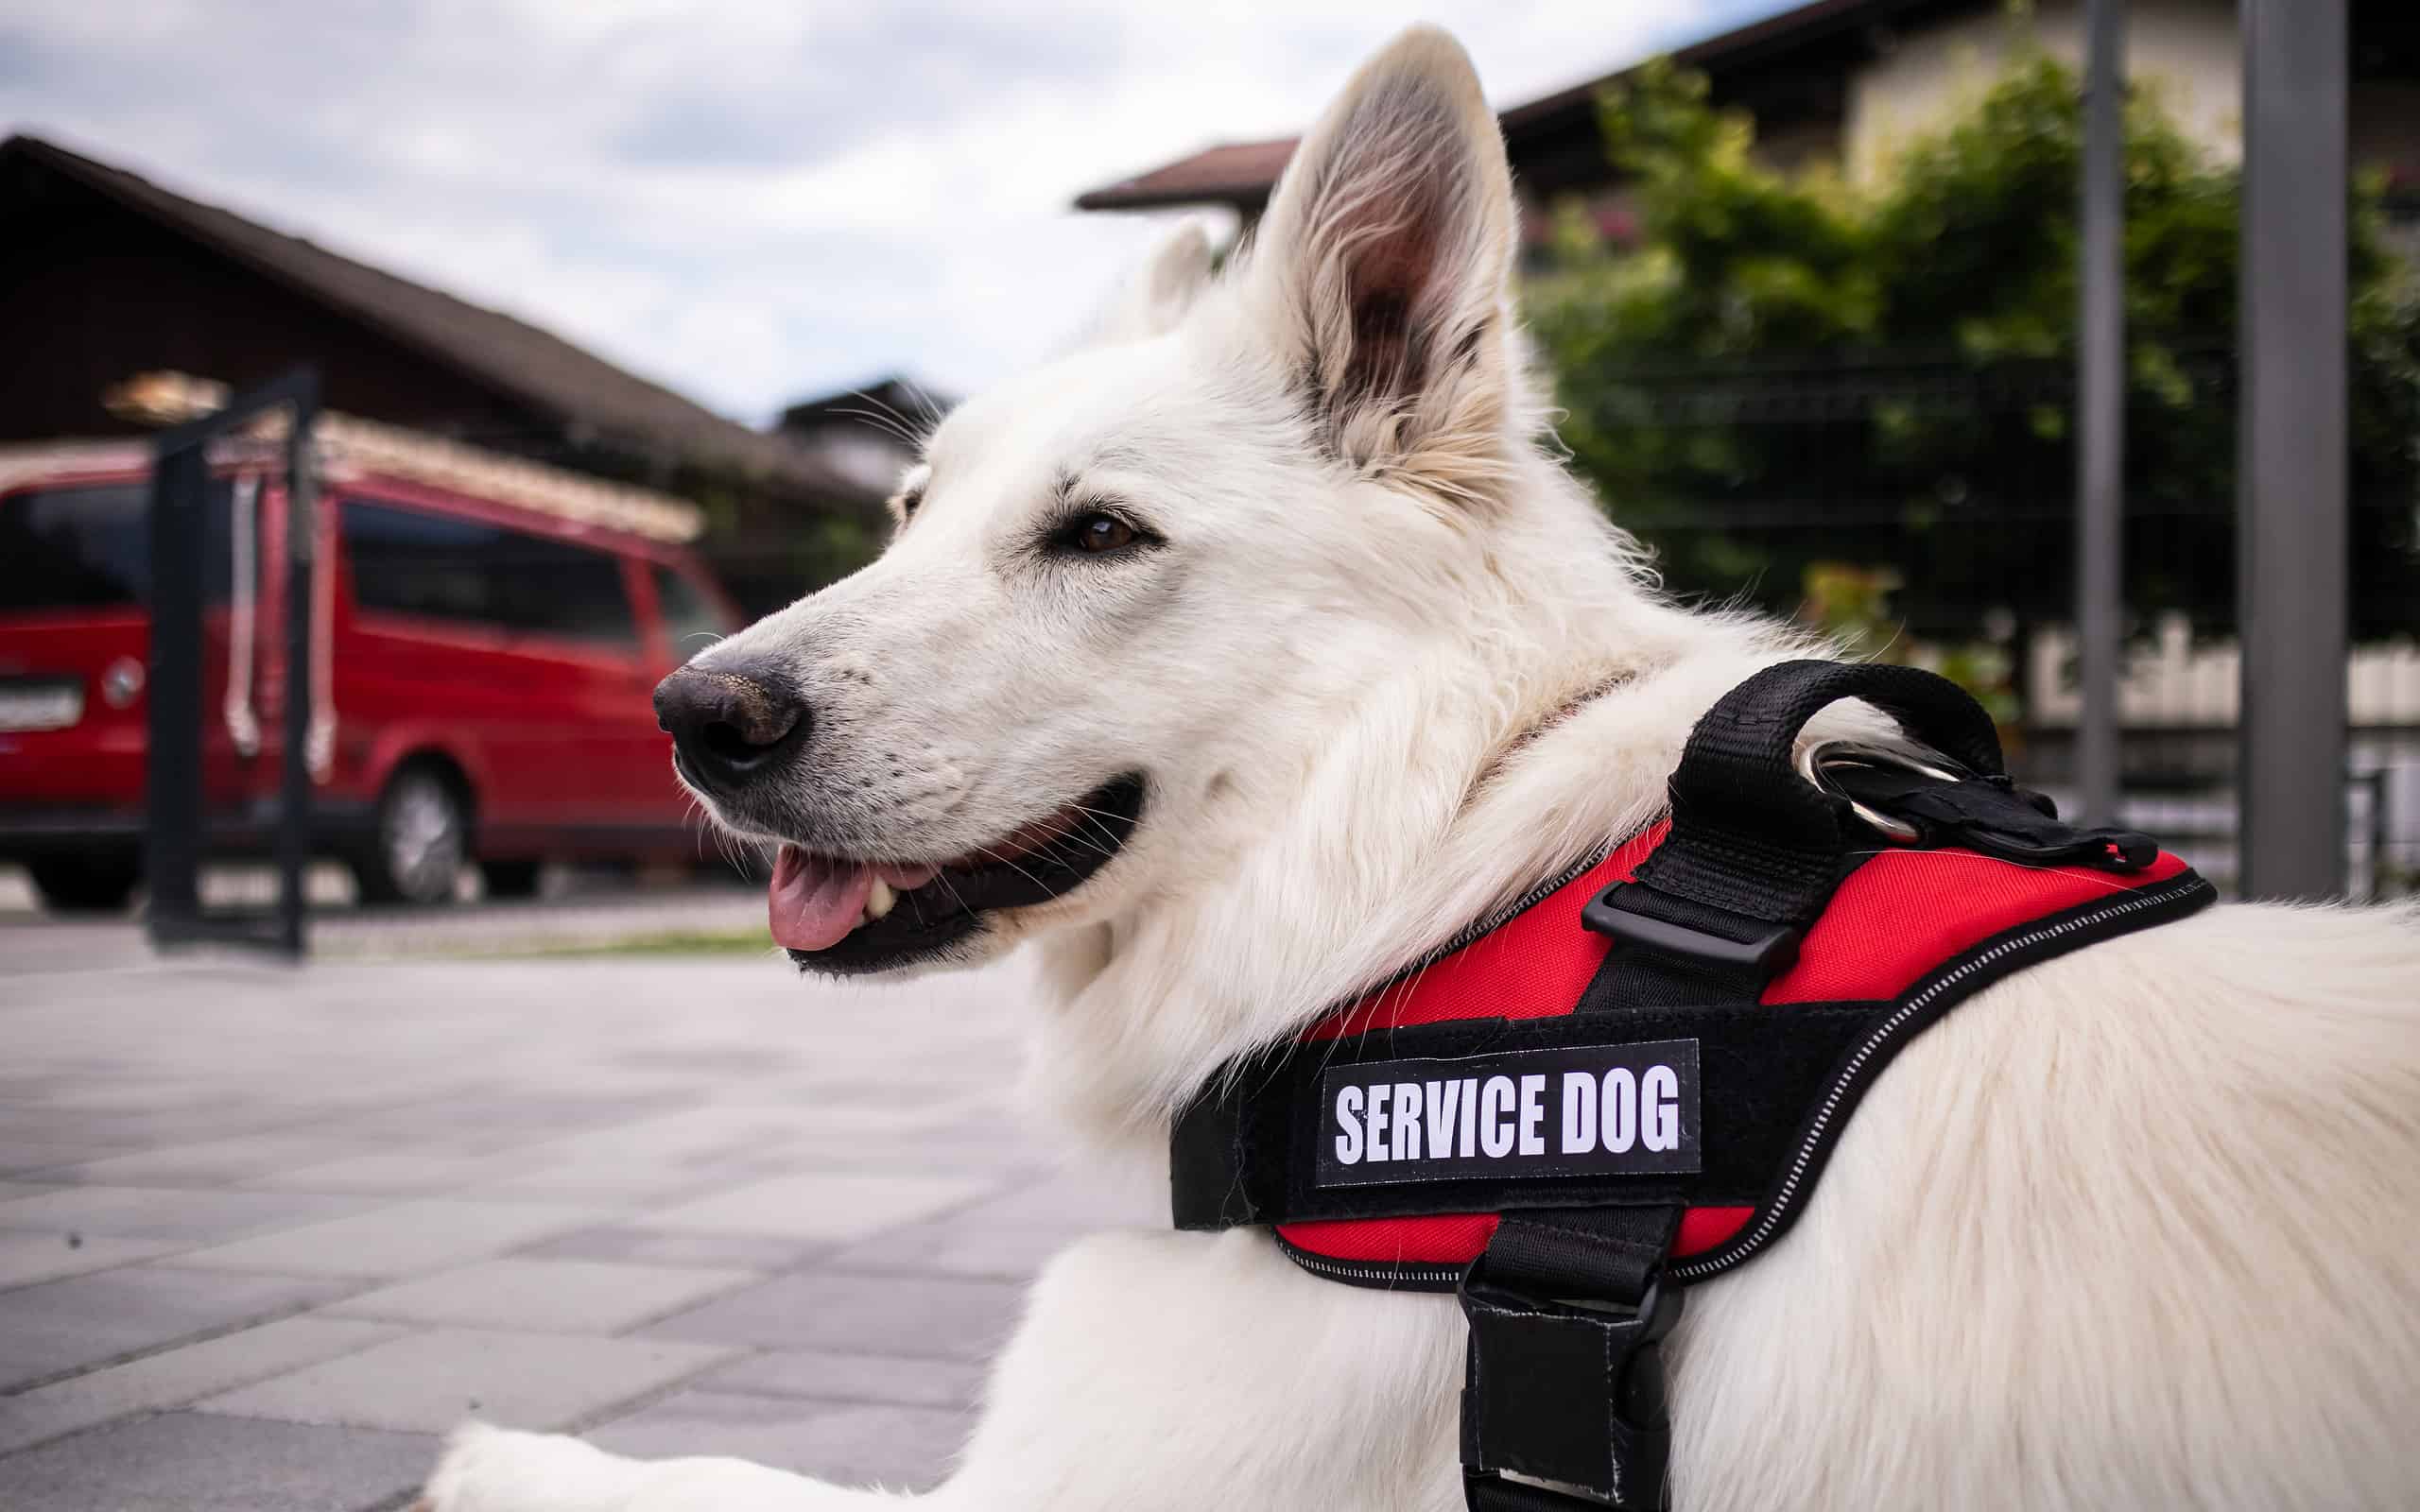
[(1782, 370)]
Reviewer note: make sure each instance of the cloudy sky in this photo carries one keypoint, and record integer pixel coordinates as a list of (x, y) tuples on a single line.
[(751, 200)]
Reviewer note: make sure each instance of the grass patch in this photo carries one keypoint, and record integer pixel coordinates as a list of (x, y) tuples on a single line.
[(755, 941)]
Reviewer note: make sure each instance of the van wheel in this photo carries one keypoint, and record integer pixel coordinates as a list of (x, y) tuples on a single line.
[(85, 883), (510, 879), (422, 837)]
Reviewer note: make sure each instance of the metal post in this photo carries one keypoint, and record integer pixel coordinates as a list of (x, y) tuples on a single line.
[(2101, 412), (2290, 489), (302, 553), (172, 763), (175, 824)]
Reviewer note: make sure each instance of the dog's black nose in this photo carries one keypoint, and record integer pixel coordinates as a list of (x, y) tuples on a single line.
[(730, 724)]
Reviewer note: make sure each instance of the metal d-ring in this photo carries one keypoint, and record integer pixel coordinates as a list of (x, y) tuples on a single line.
[(1823, 755)]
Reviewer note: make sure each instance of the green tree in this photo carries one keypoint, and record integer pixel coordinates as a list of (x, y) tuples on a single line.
[(1779, 371)]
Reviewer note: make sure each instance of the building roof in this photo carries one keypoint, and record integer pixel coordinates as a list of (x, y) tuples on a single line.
[(1237, 173), (585, 392), (1242, 174)]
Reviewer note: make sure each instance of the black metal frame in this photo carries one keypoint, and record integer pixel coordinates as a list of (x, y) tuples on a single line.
[(174, 820), (2291, 514), (2101, 413)]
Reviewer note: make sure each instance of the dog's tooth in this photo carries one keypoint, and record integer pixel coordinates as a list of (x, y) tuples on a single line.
[(880, 902)]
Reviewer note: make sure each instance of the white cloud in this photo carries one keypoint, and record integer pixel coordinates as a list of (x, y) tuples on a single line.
[(750, 201)]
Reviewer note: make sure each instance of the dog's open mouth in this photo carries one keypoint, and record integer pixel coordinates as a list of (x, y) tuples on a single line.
[(839, 913)]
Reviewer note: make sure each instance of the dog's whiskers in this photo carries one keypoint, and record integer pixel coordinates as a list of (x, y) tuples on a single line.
[(1010, 862), (889, 421)]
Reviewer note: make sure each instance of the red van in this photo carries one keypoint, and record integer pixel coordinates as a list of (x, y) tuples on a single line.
[(486, 636)]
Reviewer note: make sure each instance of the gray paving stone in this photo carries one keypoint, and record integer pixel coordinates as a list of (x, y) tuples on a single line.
[(952, 1246), (914, 1316), (138, 1095), (819, 1205), (212, 1162), (187, 1462), (176, 1377), (469, 1121), (86, 1320), (665, 1247), (725, 1063), (401, 1240), (136, 1127), (545, 1295), (611, 1178), (857, 1378), (1010, 1234), (28, 1258), (99, 1127), (168, 1212), (501, 1117), (712, 1131), (896, 1448), (430, 1382), (1001, 1159), (386, 1173), (20, 1156), (1072, 1203)]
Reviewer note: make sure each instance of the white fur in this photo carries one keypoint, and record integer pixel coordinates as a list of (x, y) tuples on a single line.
[(2131, 1228)]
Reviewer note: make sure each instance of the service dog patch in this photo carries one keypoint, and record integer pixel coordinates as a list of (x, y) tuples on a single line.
[(1600, 1110)]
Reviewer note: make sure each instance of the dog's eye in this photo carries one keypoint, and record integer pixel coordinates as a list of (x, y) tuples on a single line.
[(1099, 533)]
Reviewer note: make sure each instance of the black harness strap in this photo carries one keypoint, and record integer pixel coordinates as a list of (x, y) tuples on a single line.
[(1571, 1394), (1718, 911), (1246, 1151)]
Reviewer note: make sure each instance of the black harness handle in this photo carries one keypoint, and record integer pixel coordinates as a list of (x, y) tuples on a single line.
[(1755, 850)]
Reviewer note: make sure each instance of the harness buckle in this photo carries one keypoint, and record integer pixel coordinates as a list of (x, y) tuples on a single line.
[(1568, 1392), (1768, 952), (1818, 760), (1913, 800)]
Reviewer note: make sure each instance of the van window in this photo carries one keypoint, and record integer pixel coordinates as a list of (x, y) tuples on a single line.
[(692, 621), (91, 547), (441, 567)]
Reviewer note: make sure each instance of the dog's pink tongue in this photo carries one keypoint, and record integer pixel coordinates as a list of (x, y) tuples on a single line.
[(813, 901)]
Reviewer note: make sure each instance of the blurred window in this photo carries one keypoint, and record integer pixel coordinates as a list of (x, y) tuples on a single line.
[(409, 563), (441, 567), (91, 547), (558, 589), (692, 621)]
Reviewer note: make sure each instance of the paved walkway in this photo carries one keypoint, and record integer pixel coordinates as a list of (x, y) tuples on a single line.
[(579, 912), (267, 1232)]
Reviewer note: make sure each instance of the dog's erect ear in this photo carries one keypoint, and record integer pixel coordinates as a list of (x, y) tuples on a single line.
[(1159, 291), (1384, 267)]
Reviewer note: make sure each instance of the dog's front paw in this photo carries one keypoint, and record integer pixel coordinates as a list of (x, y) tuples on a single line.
[(497, 1470)]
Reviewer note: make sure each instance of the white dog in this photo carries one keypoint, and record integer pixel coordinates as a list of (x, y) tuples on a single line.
[(1278, 569)]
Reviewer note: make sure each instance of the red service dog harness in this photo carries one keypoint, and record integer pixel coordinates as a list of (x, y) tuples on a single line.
[(1628, 1081)]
